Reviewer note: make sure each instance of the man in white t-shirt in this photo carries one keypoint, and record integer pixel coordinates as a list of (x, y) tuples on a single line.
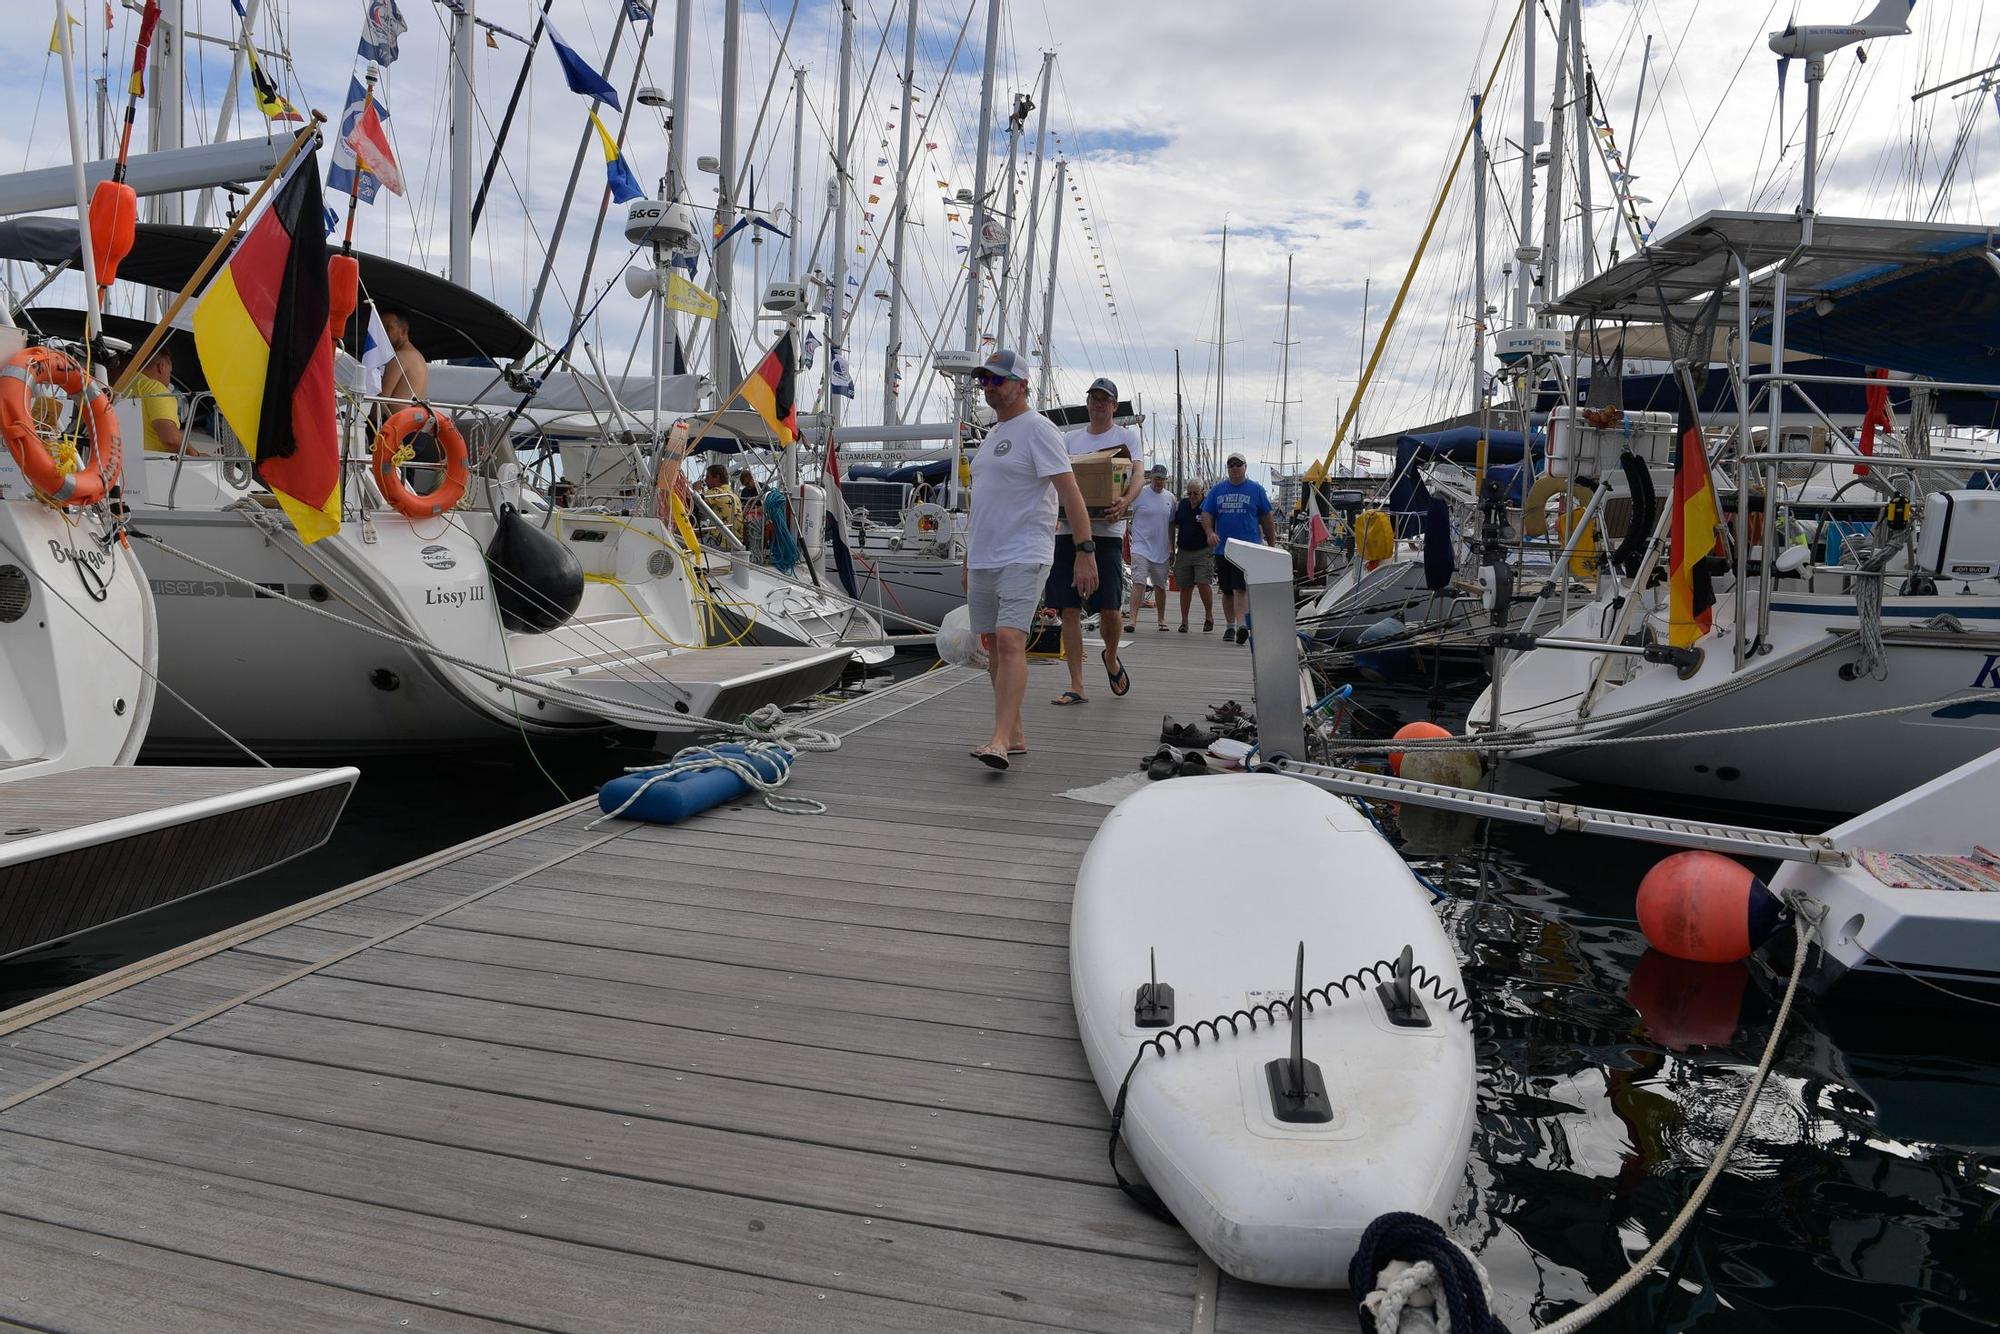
[(1152, 516), (1108, 533), (1019, 474)]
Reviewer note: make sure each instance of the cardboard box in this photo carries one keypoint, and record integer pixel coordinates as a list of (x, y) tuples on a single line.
[(1102, 476)]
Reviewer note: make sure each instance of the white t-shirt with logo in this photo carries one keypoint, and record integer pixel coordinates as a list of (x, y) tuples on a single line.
[(1152, 515), (1081, 441), (1014, 501)]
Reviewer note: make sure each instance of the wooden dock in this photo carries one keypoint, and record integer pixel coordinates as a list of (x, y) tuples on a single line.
[(755, 1072)]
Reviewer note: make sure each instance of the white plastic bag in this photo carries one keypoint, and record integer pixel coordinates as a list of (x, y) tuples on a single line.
[(956, 643)]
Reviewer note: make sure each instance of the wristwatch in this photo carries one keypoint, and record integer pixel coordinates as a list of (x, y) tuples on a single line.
[(1088, 545)]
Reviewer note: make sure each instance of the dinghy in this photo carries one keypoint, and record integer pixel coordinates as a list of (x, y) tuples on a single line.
[(1195, 901)]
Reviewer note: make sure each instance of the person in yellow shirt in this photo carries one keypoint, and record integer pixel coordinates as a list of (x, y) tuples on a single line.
[(159, 409), (716, 494)]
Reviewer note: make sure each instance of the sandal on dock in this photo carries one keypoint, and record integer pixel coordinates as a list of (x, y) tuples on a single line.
[(1068, 698), (991, 758), (1121, 681)]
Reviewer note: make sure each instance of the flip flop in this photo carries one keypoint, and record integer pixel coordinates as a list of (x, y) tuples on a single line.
[(1163, 763), (1017, 750), (991, 758), (1069, 698), (1192, 765), (1163, 627), (1121, 680)]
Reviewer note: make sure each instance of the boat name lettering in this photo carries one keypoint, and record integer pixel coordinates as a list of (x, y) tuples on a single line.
[(94, 559), (1989, 674), (454, 597)]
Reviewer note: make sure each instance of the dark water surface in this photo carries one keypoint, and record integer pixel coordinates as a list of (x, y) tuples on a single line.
[(1864, 1195)]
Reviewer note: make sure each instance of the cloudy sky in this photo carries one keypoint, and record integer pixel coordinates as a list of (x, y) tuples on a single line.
[(1316, 132)]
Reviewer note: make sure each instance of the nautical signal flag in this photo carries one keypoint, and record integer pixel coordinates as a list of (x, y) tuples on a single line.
[(269, 100), (577, 73), (149, 19), (369, 142), (260, 331), (346, 174), (770, 387), (1697, 524), (617, 175), (56, 34), (381, 24)]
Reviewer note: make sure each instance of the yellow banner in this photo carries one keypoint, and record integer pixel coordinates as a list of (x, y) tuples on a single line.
[(685, 297)]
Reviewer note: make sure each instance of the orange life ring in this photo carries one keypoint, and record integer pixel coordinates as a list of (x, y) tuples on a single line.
[(93, 476), (390, 443)]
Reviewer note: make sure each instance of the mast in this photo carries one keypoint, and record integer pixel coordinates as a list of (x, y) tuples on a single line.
[(88, 256), (206, 199), (843, 143), (1479, 273), (1221, 341), (678, 131), (1586, 251), (463, 44), (892, 352), (1035, 200), (1285, 367), (973, 254), (167, 92), (1552, 205), (1525, 254), (1361, 357), (798, 158), (1049, 293), (1180, 463), (1018, 118), (722, 336)]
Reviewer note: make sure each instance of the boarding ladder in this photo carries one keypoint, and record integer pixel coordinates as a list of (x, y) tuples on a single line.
[(1562, 816)]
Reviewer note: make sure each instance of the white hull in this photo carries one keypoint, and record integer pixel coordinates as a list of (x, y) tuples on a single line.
[(288, 683), (1846, 764), (78, 669), (924, 587)]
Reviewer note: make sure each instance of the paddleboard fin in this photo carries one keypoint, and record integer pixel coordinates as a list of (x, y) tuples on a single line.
[(1154, 1007), (1298, 1090), (1399, 997)]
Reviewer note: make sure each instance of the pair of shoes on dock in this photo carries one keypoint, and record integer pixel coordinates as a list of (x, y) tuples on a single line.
[(1166, 762), (1229, 711), (1182, 734)]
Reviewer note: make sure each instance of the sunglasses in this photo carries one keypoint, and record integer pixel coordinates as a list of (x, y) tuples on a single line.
[(988, 380)]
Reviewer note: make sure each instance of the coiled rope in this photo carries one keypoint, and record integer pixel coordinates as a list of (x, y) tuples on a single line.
[(745, 766)]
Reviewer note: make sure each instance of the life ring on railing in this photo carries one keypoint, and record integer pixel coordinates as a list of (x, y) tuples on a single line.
[(1584, 559), (392, 452), (86, 482)]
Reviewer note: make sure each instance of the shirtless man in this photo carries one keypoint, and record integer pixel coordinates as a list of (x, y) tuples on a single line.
[(409, 375)]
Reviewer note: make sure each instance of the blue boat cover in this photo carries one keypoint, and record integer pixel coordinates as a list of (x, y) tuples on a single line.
[(1409, 499)]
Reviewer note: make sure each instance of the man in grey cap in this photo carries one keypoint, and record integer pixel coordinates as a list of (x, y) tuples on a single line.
[(1019, 474), (1106, 538)]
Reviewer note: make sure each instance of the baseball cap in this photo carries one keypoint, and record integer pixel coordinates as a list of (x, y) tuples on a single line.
[(1157, 470), (1102, 384), (1007, 364), (1235, 459)]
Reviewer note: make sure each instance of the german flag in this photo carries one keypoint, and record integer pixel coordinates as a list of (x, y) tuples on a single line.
[(1697, 523), (260, 330), (769, 390)]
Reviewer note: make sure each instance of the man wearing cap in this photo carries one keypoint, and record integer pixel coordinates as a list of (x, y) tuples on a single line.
[(1106, 541), (1237, 508), (1019, 475), (1152, 523), (1194, 562)]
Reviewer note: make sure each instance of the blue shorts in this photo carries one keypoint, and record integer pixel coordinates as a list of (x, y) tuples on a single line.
[(1061, 594)]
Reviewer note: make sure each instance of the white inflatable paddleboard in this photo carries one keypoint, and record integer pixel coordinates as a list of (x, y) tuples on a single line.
[(1222, 878)]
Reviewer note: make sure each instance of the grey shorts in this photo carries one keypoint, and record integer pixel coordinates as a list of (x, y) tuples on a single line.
[(1004, 598), (1194, 568)]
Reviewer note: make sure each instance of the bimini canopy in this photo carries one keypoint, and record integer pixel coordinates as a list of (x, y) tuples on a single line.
[(1940, 319), (935, 470), (1409, 498), (446, 321)]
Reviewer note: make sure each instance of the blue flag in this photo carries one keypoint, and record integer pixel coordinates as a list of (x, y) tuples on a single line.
[(381, 25), (618, 176), (843, 382), (341, 175), (579, 75), (638, 11)]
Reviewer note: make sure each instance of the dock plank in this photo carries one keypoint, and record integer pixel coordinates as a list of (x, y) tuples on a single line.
[(756, 1071)]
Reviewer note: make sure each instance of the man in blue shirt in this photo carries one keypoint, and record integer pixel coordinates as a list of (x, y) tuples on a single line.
[(1236, 508)]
